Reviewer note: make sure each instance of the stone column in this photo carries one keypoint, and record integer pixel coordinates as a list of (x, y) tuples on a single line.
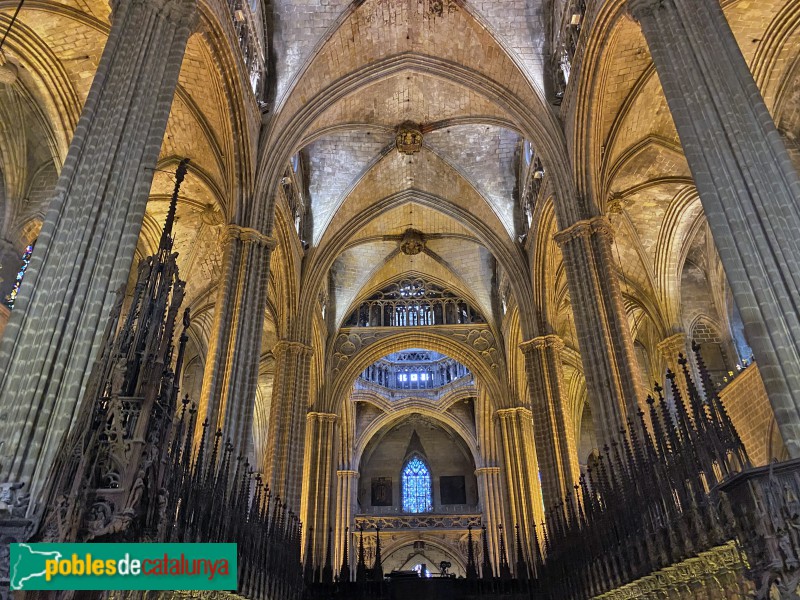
[(489, 475), (317, 482), (346, 493), (553, 426), (522, 474), (230, 379), (490, 490), (84, 251), (748, 187), (287, 420), (603, 331)]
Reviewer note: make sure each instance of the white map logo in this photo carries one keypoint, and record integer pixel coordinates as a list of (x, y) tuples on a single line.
[(29, 564)]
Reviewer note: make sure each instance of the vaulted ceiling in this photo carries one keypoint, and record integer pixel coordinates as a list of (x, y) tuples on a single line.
[(344, 76), (459, 189)]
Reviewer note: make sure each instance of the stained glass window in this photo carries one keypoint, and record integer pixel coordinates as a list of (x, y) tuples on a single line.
[(26, 258), (416, 487)]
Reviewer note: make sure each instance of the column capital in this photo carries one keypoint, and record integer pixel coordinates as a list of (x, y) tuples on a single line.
[(542, 341), (487, 471), (248, 234), (343, 473), (510, 413), (584, 229), (670, 347), (320, 416), (284, 346), (639, 9)]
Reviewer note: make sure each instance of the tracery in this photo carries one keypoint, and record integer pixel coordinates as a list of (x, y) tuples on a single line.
[(414, 302), (416, 486)]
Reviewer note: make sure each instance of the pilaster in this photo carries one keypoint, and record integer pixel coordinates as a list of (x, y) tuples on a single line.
[(84, 251), (603, 331), (317, 484), (522, 474), (287, 421), (490, 488), (747, 184), (553, 425), (346, 493), (231, 373)]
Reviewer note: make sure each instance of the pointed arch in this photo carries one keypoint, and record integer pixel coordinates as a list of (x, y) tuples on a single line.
[(416, 489)]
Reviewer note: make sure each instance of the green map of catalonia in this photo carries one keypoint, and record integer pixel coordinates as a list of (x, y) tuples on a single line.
[(29, 564)]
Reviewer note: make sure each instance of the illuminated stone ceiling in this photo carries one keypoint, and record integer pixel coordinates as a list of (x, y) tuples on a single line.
[(460, 190)]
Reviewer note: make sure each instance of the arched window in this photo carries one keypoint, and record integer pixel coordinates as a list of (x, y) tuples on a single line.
[(416, 486), (26, 258)]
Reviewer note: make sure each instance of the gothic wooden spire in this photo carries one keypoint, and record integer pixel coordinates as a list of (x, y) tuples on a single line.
[(472, 571), (377, 568), (361, 567), (505, 571), (308, 569), (131, 395), (166, 235), (344, 570), (522, 564), (486, 566), (327, 570)]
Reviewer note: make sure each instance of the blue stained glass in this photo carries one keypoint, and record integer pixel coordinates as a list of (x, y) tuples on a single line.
[(26, 258), (416, 487)]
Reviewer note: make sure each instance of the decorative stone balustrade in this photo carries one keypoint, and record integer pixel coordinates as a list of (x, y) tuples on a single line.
[(420, 521), (566, 43), (249, 33), (423, 372)]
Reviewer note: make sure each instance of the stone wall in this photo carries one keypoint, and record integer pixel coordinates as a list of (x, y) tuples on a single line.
[(444, 456), (751, 412)]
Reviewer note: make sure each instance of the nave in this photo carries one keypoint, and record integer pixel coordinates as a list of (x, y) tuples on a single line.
[(504, 291)]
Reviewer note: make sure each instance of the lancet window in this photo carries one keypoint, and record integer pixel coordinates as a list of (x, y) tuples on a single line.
[(26, 258), (417, 486), (411, 303)]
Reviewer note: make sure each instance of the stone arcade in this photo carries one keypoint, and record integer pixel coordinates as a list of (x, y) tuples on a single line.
[(479, 298)]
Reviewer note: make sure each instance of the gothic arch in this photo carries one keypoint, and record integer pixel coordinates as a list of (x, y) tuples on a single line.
[(543, 227), (284, 292), (375, 285), (486, 365), (455, 553), (287, 135), (582, 136), (775, 48), (388, 420), (443, 403), (49, 78), (322, 258), (684, 215), (243, 116)]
